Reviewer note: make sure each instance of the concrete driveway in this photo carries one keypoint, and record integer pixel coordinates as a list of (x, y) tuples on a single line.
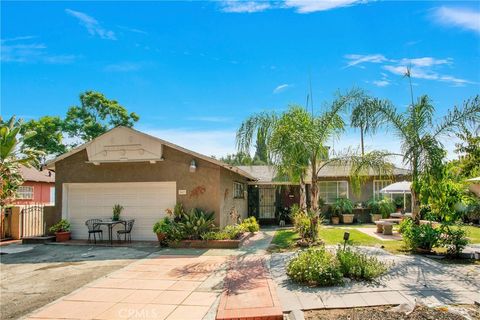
[(35, 275), (160, 287)]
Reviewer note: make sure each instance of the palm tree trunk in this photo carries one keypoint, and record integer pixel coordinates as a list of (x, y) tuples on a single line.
[(303, 194), (361, 141), (314, 187)]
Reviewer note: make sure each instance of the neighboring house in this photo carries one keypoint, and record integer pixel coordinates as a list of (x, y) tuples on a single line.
[(38, 187), (145, 175), (269, 195)]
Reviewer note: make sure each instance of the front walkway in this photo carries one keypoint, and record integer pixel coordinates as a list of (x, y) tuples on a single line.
[(409, 278)]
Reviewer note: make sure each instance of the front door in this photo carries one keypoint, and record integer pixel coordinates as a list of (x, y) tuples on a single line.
[(266, 203)]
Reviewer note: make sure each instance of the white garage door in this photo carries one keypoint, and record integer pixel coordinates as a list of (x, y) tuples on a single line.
[(143, 201)]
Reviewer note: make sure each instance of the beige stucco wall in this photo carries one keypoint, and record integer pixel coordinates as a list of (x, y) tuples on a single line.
[(175, 167), (227, 201)]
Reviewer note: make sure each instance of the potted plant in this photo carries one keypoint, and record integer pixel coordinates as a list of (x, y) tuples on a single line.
[(386, 207), (344, 207), (117, 210), (335, 217), (374, 210), (61, 230), (398, 201), (162, 228)]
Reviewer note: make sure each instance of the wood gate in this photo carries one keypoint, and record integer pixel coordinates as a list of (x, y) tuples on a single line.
[(33, 222)]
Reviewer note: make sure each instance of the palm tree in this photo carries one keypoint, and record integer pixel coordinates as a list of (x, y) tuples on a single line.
[(362, 116), (421, 148), (297, 140), (11, 159)]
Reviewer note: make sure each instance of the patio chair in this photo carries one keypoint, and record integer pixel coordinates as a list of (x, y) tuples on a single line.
[(127, 232), (93, 228)]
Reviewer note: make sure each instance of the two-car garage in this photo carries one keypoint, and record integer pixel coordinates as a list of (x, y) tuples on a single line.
[(145, 202)]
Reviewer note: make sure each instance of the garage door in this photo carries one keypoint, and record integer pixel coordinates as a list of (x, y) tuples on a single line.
[(143, 201)]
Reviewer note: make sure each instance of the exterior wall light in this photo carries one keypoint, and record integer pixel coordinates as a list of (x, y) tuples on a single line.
[(193, 166)]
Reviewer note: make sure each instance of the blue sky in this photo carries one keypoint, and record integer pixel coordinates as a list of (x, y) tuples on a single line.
[(194, 70)]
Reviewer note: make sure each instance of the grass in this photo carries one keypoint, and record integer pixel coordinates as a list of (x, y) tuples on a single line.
[(286, 239), (473, 234)]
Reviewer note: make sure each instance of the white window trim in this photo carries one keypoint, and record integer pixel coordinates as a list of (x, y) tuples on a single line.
[(373, 188), (22, 198), (242, 186), (337, 182)]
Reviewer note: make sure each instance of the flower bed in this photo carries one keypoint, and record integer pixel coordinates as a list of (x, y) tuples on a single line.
[(211, 244)]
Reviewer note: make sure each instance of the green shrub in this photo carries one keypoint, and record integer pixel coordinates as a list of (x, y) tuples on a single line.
[(302, 224), (163, 225), (61, 226), (315, 266), (419, 236), (342, 206), (454, 239), (117, 210), (359, 266), (194, 224), (215, 235), (250, 224), (230, 232)]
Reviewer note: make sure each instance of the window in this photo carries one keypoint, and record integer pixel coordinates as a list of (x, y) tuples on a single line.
[(25, 192), (329, 191), (379, 185), (238, 190)]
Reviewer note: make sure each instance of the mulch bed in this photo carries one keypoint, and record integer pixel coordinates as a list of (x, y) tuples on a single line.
[(382, 313)]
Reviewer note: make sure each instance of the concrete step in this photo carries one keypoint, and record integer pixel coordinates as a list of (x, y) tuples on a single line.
[(38, 239)]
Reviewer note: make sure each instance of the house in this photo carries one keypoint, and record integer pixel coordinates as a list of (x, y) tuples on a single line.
[(38, 187), (145, 175), (269, 194)]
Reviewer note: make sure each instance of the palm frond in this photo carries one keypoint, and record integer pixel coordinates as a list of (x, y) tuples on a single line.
[(458, 117)]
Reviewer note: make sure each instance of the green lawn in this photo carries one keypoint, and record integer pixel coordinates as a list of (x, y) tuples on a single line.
[(473, 234), (285, 239)]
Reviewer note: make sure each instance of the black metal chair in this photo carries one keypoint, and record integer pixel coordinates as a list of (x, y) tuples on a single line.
[(127, 232), (94, 228)]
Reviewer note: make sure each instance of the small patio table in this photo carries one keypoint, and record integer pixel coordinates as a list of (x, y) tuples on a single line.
[(110, 224)]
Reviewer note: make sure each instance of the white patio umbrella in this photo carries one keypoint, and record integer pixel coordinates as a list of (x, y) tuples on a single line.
[(402, 187)]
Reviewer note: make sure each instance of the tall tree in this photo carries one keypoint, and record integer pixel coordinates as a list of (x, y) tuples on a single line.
[(420, 136), (11, 158), (48, 137), (95, 115), (297, 140), (362, 116)]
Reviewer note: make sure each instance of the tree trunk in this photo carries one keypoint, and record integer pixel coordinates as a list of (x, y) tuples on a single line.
[(314, 187), (303, 194), (361, 141)]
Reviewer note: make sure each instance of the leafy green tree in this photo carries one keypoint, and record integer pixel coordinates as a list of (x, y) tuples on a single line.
[(48, 137), (238, 159), (11, 158), (469, 151), (96, 115)]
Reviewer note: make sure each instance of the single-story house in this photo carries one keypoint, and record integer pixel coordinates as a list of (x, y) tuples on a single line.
[(38, 187), (268, 194), (145, 175)]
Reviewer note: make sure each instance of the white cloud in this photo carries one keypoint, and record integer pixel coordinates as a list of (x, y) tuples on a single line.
[(245, 6), (122, 67), (358, 59), (281, 88), (458, 17), (309, 6), (92, 25), (134, 30), (425, 61), (30, 53), (420, 68), (208, 142), (381, 83)]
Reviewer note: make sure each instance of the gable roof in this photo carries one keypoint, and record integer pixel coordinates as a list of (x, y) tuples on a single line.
[(267, 174), (51, 164), (33, 174)]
